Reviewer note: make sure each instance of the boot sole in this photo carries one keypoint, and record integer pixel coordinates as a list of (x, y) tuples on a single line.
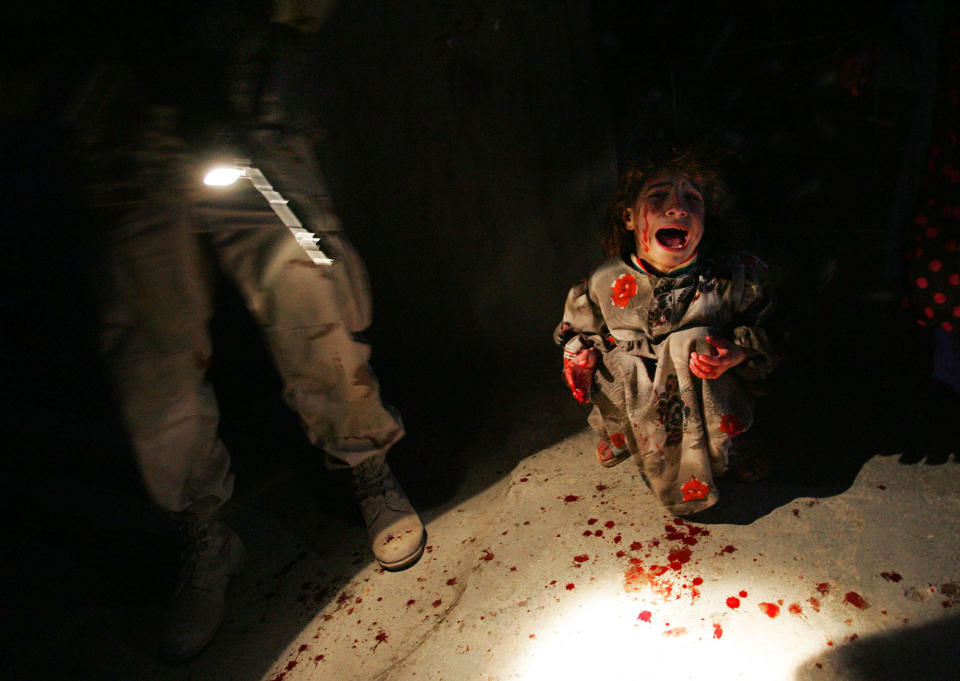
[(409, 561)]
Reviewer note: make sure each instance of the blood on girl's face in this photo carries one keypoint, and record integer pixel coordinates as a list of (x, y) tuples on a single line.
[(667, 221)]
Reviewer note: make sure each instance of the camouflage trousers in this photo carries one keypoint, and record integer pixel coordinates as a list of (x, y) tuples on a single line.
[(166, 231)]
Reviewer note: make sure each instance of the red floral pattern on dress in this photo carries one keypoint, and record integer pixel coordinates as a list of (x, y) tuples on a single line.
[(731, 425), (694, 489), (618, 441), (624, 288)]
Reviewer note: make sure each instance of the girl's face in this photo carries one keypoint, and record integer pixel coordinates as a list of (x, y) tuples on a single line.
[(667, 221)]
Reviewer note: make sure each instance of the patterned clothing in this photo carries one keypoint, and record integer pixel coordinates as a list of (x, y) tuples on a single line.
[(677, 427), (933, 249)]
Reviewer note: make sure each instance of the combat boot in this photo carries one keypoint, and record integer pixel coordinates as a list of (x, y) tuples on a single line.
[(212, 557), (397, 536)]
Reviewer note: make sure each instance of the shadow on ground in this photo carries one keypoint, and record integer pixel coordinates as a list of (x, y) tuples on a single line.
[(924, 652)]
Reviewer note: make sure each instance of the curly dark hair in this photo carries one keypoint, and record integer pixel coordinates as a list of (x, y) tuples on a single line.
[(700, 164)]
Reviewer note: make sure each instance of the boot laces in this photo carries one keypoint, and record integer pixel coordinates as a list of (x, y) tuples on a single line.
[(199, 536), (376, 485)]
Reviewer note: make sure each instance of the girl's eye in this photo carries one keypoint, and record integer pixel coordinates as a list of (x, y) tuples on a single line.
[(695, 197)]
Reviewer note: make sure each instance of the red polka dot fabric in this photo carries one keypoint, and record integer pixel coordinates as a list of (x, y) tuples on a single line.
[(933, 259)]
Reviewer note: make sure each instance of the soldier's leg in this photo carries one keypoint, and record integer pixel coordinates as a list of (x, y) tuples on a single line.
[(156, 306), (324, 368)]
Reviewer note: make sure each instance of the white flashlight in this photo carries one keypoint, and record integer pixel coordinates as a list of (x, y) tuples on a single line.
[(226, 175)]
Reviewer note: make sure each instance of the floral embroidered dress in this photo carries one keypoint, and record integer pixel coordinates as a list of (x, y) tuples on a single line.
[(646, 400)]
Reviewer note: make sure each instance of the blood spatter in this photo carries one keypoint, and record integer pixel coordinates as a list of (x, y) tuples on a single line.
[(380, 638), (598, 533), (678, 558), (637, 578), (881, 487), (823, 588), (635, 546), (486, 555), (571, 497), (697, 581), (814, 603), (617, 539), (451, 581), (437, 603), (621, 554), (891, 576), (743, 594), (729, 548), (717, 631), (673, 533), (645, 616), (856, 600), (592, 521), (733, 602), (587, 533), (571, 586), (601, 488), (609, 524), (582, 558), (771, 610), (411, 602), (676, 631), (319, 658), (795, 609)]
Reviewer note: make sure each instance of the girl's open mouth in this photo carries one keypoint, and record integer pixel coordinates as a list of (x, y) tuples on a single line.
[(672, 238)]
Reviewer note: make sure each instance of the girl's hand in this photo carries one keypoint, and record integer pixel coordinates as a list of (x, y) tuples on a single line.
[(728, 356), (578, 372)]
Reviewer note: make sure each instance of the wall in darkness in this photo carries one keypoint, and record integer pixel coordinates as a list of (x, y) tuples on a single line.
[(470, 154)]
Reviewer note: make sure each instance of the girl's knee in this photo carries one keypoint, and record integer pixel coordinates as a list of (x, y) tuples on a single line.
[(693, 338)]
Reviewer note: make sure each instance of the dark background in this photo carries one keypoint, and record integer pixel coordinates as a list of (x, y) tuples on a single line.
[(471, 148)]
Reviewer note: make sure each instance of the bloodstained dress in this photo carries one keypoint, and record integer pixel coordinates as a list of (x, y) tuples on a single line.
[(677, 426)]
